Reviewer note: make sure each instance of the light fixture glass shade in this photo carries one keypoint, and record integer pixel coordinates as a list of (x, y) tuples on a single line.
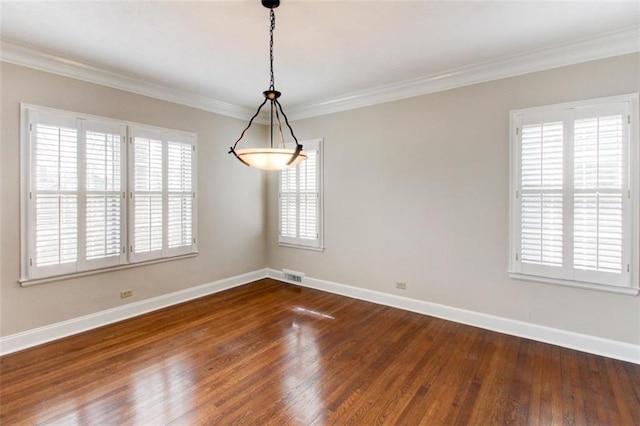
[(270, 158)]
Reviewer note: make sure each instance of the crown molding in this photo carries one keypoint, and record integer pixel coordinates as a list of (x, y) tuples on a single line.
[(613, 44), (18, 54)]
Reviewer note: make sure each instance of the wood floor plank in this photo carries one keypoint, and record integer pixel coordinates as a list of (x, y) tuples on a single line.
[(274, 353)]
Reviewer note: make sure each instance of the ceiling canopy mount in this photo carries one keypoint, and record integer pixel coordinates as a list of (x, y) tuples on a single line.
[(271, 4)]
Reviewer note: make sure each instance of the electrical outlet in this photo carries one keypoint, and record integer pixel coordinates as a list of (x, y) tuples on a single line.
[(401, 286), (126, 293)]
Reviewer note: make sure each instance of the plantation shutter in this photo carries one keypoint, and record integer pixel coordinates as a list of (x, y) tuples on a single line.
[(299, 200), (162, 199), (600, 194), (289, 202), (104, 195), (181, 194), (53, 194), (573, 196), (541, 197), (146, 194), (98, 193), (308, 198)]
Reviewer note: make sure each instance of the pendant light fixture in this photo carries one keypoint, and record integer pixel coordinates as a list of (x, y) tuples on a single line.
[(272, 158)]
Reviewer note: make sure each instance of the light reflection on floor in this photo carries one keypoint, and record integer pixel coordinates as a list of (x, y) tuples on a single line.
[(310, 312), (300, 385), (162, 391), (169, 381)]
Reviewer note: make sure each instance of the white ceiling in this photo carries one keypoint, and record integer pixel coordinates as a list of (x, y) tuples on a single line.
[(324, 50)]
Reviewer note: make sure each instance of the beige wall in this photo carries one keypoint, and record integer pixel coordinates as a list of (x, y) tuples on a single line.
[(231, 236), (417, 191)]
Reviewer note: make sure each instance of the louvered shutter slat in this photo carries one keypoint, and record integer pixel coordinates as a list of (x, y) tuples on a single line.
[(598, 232), (148, 222), (56, 229), (56, 207), (288, 202), (308, 220), (541, 200), (163, 197), (598, 211), (180, 196), (103, 200), (103, 226), (309, 198), (288, 211), (147, 199)]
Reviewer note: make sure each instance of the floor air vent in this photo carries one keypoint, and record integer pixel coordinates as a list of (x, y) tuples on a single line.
[(293, 276)]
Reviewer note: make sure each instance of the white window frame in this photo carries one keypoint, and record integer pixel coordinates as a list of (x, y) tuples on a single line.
[(301, 243), (29, 274), (628, 282)]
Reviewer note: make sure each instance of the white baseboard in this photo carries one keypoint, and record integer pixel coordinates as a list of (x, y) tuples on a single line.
[(568, 339), (582, 342), (38, 336)]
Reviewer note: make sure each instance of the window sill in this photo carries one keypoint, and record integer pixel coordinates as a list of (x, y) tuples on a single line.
[(296, 246), (631, 291), (36, 281)]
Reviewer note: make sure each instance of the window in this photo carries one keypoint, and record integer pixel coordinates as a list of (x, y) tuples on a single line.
[(574, 194), (162, 194), (75, 186), (300, 201)]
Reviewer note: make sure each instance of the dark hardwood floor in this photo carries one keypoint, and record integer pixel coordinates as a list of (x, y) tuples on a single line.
[(274, 353)]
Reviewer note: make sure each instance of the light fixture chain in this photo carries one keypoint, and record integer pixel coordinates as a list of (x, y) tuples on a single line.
[(271, 28)]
